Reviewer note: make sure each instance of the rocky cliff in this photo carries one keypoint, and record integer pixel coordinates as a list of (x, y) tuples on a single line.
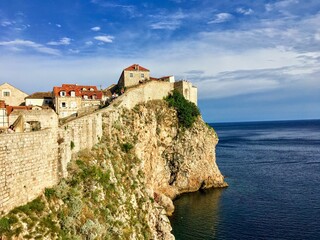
[(123, 188)]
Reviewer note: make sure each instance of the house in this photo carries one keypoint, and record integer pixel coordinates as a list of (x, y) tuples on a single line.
[(133, 75), (12, 95), (39, 99), (3, 116), (69, 99)]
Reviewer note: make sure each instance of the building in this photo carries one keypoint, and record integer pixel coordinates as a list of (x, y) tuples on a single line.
[(133, 75), (39, 99), (11, 95), (189, 91), (4, 121), (69, 99)]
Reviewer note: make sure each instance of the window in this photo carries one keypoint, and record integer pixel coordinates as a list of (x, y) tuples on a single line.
[(94, 96), (131, 74), (63, 104), (91, 89), (84, 89), (85, 97), (142, 75), (72, 93), (62, 93), (6, 93)]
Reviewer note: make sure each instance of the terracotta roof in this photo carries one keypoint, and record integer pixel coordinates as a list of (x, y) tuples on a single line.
[(80, 90), (39, 95), (11, 108), (136, 67)]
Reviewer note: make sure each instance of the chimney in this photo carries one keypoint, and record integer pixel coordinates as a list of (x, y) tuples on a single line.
[(136, 67)]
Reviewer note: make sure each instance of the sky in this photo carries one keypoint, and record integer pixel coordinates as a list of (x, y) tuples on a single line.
[(251, 60)]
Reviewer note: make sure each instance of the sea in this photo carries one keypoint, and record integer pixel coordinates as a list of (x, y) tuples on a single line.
[(273, 172)]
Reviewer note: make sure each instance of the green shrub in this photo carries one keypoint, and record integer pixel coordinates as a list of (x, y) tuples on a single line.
[(72, 145), (187, 111), (35, 206), (126, 147), (4, 225), (49, 193)]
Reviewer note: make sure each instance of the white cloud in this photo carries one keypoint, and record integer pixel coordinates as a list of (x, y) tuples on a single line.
[(18, 43), (88, 43), (96, 29), (244, 11), (58, 25), (6, 23), (317, 36), (167, 21), (221, 18), (62, 41), (105, 39)]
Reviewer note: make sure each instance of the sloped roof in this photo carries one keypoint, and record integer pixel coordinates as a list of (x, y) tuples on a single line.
[(136, 67), (80, 90), (39, 95), (8, 84)]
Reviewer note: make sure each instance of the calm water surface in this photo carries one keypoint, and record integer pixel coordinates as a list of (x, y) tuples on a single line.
[(273, 171)]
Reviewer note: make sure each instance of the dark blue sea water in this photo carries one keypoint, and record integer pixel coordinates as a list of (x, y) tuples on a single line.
[(273, 171)]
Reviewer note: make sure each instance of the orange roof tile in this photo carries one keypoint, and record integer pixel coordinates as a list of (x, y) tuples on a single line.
[(136, 67), (80, 90)]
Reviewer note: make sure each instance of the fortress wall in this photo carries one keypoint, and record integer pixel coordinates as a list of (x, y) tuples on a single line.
[(28, 164), (33, 161), (153, 90), (76, 135)]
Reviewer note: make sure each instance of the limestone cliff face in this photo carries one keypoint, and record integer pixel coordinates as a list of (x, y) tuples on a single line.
[(123, 187), (174, 160)]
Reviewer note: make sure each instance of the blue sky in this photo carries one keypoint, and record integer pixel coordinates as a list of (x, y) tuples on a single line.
[(251, 60)]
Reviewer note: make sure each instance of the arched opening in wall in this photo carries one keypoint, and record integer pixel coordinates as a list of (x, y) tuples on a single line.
[(186, 93)]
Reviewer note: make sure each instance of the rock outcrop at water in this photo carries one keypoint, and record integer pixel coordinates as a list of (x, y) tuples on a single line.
[(123, 188)]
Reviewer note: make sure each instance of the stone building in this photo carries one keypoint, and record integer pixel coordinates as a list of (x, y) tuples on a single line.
[(69, 99), (3, 116), (133, 75), (189, 91), (12, 95), (39, 99), (28, 120)]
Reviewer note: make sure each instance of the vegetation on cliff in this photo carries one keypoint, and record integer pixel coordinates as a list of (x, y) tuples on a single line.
[(187, 111), (122, 188), (104, 197)]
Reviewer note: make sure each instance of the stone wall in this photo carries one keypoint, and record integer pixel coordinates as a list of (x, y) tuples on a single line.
[(33, 161), (77, 135), (153, 90), (189, 91), (28, 164), (47, 117)]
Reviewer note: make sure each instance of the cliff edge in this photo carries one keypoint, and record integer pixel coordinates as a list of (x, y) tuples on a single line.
[(123, 188)]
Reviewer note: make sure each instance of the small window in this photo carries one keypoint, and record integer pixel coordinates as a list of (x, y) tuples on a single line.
[(131, 74), (142, 75), (72, 93), (84, 89), (91, 89), (85, 97), (62, 93), (6, 93), (63, 104), (94, 97)]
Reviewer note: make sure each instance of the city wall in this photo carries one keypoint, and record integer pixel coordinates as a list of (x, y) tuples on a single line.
[(28, 164), (33, 161)]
